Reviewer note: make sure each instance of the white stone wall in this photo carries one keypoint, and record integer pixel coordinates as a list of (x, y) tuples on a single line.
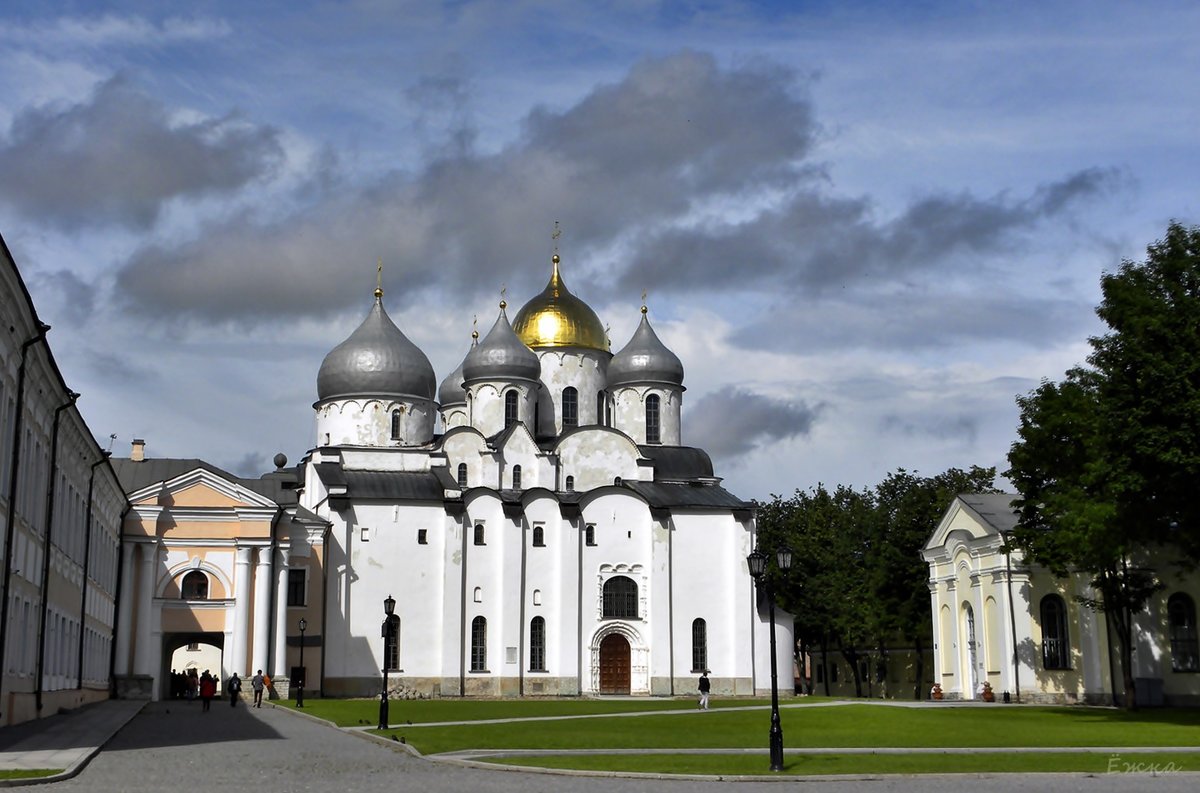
[(629, 412), (485, 403), (368, 422), (582, 369)]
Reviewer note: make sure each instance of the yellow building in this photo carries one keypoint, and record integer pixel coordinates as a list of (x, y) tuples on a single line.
[(1016, 627), (220, 567)]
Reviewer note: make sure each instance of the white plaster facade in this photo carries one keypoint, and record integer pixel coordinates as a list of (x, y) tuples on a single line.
[(518, 526)]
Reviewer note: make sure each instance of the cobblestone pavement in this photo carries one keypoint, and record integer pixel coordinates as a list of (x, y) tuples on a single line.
[(170, 745)]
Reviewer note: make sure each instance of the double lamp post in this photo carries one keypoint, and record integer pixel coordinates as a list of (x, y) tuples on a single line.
[(758, 562)]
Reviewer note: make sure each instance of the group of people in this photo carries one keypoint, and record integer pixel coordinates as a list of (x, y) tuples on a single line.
[(188, 685)]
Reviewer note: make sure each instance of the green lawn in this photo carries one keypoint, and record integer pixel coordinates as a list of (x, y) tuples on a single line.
[(675, 724), (757, 765), (29, 773), (836, 727), (358, 712)]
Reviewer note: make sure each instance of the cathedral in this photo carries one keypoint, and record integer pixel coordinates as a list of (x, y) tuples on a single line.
[(531, 525)]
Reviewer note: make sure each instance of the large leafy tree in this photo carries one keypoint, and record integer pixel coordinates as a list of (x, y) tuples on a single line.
[(1106, 459), (908, 506), (858, 580)]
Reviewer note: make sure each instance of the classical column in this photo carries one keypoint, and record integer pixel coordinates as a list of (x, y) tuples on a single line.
[(279, 667), (262, 610), (143, 653), (125, 626), (241, 610)]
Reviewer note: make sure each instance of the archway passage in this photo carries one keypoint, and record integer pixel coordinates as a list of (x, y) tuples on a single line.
[(185, 652), (614, 664)]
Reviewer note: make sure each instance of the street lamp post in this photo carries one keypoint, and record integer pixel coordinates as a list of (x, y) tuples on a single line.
[(300, 683), (389, 607), (757, 560)]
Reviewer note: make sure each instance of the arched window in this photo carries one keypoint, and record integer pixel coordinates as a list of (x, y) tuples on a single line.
[(570, 408), (1056, 644), (601, 409), (570, 483), (516, 477), (510, 408), (479, 645), (589, 535), (537, 645), (1181, 620), (699, 645), (462, 476), (396, 424), (479, 534), (194, 586), (620, 598), (653, 433), (539, 535)]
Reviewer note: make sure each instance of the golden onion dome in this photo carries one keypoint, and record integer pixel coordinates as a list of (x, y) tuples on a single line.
[(556, 318)]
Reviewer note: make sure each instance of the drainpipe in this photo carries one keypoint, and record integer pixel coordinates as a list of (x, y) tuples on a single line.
[(14, 466), (521, 616), (117, 595), (462, 611), (87, 554), (39, 682)]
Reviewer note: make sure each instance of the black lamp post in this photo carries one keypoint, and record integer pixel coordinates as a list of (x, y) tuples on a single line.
[(389, 607), (757, 560), (300, 682)]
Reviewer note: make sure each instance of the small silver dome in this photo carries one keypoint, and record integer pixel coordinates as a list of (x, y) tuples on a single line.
[(501, 356), (645, 359), (376, 360), (451, 391)]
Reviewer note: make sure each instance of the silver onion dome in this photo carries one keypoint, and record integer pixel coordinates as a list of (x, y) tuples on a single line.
[(501, 355), (451, 391), (377, 359), (645, 359)]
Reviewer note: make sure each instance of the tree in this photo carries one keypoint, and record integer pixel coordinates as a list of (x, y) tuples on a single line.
[(1105, 461), (908, 506)]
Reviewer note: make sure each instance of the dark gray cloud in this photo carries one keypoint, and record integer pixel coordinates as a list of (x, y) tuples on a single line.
[(733, 421), (918, 319), (72, 298), (815, 242), (250, 465), (961, 427), (673, 134), (117, 158)]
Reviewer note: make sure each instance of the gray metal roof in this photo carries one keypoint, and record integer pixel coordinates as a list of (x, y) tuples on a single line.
[(678, 462), (659, 494), (645, 359), (451, 391), (279, 486), (387, 485), (501, 356), (376, 360), (994, 508)]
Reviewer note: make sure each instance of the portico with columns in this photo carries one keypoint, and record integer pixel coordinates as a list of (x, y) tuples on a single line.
[(205, 562)]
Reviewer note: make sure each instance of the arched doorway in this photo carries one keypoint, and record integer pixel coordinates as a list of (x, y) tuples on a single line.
[(183, 652), (971, 653), (614, 664)]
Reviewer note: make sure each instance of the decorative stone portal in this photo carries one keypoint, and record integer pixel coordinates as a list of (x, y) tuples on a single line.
[(614, 664)]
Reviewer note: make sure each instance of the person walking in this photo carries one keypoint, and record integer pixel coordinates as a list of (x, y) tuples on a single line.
[(208, 688), (705, 687), (258, 682), (235, 689)]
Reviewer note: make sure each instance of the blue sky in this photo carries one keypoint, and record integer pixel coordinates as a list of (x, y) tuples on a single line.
[(864, 227)]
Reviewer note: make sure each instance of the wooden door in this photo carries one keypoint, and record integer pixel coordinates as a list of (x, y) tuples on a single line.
[(614, 664)]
